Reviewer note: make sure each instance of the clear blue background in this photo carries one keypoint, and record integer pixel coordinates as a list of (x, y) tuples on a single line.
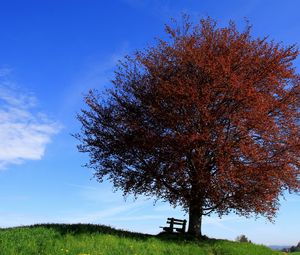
[(53, 52)]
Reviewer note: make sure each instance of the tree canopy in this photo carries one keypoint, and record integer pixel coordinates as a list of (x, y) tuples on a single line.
[(207, 120)]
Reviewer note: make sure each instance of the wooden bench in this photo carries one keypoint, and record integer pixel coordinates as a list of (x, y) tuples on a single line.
[(172, 222)]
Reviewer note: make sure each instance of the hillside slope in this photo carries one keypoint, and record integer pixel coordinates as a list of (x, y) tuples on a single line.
[(85, 239)]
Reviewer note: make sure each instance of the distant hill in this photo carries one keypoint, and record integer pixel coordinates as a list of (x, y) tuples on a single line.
[(279, 247)]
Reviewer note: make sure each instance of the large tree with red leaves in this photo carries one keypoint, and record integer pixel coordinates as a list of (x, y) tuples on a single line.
[(207, 120)]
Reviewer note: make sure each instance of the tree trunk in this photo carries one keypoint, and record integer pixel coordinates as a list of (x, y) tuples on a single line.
[(195, 220)]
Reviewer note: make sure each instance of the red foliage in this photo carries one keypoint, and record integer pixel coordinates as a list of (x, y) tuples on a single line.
[(208, 120)]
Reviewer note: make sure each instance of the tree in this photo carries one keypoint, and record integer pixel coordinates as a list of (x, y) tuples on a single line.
[(206, 120), (295, 248), (243, 239)]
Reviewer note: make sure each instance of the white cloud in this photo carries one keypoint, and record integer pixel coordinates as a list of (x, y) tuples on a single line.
[(24, 133)]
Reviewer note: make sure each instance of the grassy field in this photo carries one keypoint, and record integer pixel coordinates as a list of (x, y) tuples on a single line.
[(82, 239)]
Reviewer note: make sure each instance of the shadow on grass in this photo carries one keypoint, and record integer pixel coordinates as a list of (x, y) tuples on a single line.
[(77, 229)]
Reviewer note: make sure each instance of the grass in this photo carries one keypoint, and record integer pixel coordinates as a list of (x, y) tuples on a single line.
[(85, 239)]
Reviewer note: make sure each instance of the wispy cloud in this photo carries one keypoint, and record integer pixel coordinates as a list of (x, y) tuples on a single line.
[(95, 74), (24, 133), (5, 71), (223, 223), (14, 198), (114, 210), (104, 214), (139, 218), (163, 10)]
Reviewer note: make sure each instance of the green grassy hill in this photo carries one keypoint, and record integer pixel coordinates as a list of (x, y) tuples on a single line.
[(84, 239)]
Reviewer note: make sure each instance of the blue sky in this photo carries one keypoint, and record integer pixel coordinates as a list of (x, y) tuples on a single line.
[(51, 53)]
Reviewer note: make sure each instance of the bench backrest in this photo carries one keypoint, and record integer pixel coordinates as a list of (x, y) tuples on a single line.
[(176, 221)]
